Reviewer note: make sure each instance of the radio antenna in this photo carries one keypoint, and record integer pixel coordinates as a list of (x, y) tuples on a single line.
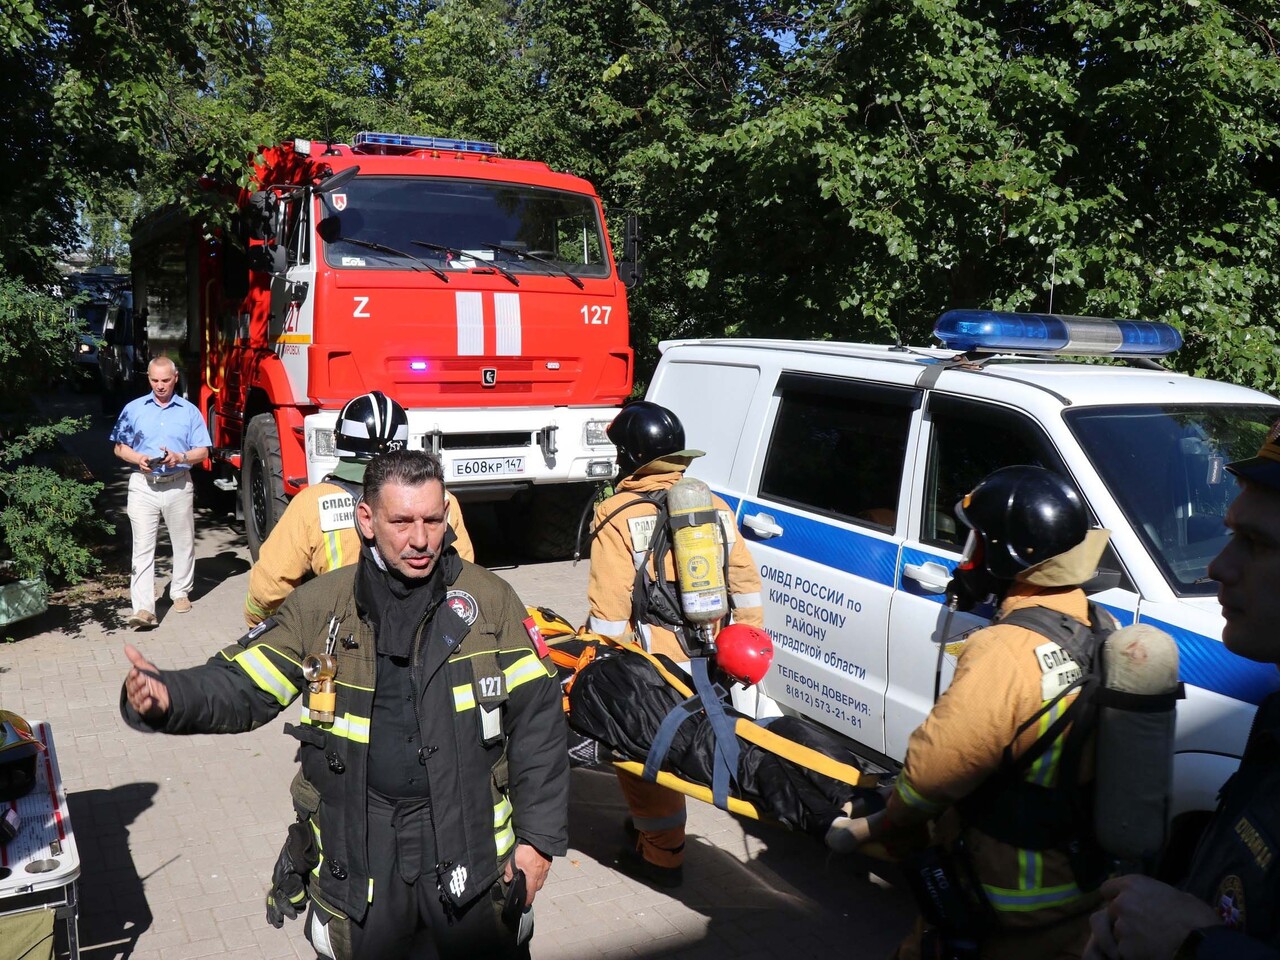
[(1053, 278)]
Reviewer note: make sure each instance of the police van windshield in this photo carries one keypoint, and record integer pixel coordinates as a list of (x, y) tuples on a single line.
[(1165, 465), (461, 225)]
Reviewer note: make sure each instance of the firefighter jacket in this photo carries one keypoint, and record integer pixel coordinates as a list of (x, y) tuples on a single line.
[(488, 711), (1004, 675), (1236, 868), (316, 534), (621, 544)]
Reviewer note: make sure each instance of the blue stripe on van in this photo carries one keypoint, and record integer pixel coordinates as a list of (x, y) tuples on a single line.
[(1205, 662), (866, 557)]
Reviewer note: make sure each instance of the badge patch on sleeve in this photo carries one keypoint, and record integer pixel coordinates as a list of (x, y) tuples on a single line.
[(464, 605), (641, 530), (337, 512), (539, 645), (257, 631), (1057, 670)]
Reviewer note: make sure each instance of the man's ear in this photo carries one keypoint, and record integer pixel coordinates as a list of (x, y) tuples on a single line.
[(364, 519)]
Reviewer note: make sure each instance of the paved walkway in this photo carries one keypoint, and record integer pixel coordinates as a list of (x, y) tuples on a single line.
[(178, 835)]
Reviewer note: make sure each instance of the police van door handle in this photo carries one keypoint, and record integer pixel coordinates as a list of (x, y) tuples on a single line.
[(762, 525), (932, 577)]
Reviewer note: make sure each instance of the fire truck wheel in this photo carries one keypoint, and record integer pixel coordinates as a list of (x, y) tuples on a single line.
[(262, 481)]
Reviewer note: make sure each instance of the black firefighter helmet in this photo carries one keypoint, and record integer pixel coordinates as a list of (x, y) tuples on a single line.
[(644, 432), (18, 750), (370, 424), (1022, 516)]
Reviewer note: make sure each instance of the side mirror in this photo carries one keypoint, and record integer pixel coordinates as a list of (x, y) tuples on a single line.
[(339, 179), (1104, 579), (630, 271), (267, 258), (261, 217)]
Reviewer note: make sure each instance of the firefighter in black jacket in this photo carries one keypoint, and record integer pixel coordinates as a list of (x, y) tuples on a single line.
[(1228, 907), (433, 764)]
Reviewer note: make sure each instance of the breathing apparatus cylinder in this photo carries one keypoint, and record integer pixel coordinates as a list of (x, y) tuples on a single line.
[(697, 543), (1135, 742)]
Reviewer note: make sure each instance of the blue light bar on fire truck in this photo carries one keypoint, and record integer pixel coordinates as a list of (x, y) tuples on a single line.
[(408, 142), (988, 331)]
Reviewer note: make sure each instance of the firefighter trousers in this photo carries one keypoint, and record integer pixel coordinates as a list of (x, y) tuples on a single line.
[(407, 919), (1063, 940), (659, 815)]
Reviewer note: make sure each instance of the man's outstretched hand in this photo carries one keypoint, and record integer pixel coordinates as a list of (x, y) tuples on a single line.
[(143, 688)]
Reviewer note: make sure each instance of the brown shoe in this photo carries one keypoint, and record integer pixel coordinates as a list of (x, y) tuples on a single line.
[(142, 620), (182, 605)]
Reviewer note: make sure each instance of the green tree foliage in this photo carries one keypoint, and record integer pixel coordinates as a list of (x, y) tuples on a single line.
[(46, 518), (851, 170), (96, 97)]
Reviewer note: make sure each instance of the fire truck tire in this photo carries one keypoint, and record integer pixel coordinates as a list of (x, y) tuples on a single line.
[(262, 481), (551, 522)]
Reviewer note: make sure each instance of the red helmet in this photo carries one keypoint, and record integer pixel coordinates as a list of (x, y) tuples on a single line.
[(744, 653)]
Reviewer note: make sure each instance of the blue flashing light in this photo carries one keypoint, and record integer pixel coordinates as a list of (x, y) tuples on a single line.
[(418, 365), (988, 331), (407, 143)]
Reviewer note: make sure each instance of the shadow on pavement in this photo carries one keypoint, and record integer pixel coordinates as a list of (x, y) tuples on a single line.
[(788, 899), (114, 911)]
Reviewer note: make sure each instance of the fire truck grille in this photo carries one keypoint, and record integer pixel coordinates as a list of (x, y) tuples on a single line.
[(472, 441)]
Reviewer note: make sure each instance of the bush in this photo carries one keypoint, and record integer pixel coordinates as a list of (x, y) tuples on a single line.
[(47, 520)]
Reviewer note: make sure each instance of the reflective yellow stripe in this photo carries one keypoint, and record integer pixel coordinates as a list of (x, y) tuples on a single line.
[(523, 670), (464, 698), (502, 812), (255, 608), (914, 800), (371, 889), (319, 848), (265, 675), (1030, 869), (348, 726), (333, 549), (1045, 769), (1024, 901), (504, 837)]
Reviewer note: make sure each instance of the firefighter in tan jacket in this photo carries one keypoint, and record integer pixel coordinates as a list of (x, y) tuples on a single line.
[(1020, 828), (629, 600), (317, 532)]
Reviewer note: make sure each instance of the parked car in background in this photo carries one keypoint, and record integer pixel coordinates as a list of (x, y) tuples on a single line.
[(93, 316), (122, 358)]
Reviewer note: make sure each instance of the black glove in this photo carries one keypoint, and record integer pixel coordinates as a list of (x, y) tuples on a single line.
[(288, 894)]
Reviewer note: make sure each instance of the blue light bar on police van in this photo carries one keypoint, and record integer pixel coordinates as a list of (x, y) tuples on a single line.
[(408, 142), (988, 331)]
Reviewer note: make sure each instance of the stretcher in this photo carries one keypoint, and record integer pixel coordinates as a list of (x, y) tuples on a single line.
[(573, 650), (40, 866)]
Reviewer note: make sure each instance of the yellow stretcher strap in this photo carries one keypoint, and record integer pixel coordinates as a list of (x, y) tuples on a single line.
[(689, 788), (763, 738)]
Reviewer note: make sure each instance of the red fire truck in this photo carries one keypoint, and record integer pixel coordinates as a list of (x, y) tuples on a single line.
[(478, 291)]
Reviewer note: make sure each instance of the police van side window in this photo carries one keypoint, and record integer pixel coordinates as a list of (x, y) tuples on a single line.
[(969, 440), (838, 448)]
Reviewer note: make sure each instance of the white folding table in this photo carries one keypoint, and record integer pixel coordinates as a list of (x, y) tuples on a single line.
[(40, 865)]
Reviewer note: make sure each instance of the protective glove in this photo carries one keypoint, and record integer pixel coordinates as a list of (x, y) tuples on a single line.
[(847, 834), (287, 896)]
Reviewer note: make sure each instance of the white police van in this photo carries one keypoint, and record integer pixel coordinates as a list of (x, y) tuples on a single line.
[(844, 463)]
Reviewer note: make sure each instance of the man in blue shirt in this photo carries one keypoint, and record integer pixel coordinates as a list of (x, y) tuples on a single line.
[(161, 436)]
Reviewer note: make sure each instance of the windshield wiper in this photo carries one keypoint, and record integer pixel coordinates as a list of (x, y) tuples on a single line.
[(383, 248), (524, 255), (457, 255)]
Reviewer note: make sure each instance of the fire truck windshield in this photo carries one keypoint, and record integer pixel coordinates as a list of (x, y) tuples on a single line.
[(461, 224)]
